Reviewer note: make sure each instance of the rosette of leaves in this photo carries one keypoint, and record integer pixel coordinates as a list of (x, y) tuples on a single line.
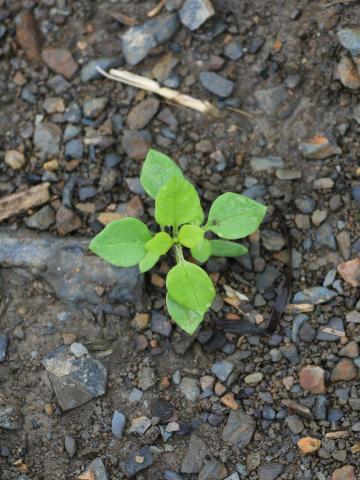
[(178, 212)]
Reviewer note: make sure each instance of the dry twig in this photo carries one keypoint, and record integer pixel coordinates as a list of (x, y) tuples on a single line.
[(21, 201)]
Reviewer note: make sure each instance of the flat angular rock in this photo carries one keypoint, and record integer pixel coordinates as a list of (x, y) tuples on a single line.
[(314, 295), (212, 470), (350, 39), (350, 272), (222, 369), (75, 380), (47, 137), (319, 147), (239, 429), (194, 13), (216, 84), (195, 455), (259, 164), (60, 61), (89, 71), (312, 379), (137, 462), (139, 40), (118, 424), (136, 144), (189, 388), (10, 418), (270, 471), (66, 265), (97, 469), (345, 370), (142, 113), (270, 99), (344, 473), (42, 219)]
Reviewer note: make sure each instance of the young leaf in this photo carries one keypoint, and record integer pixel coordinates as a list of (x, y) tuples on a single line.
[(176, 203), (148, 262), (122, 242), (190, 286), (202, 252), (187, 319), (191, 235), (159, 244), (157, 170), (224, 248), (235, 216)]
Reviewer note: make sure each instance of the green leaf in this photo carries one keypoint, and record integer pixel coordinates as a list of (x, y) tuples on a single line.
[(187, 319), (235, 216), (224, 248), (159, 244), (200, 216), (176, 203), (191, 235), (157, 170), (190, 286), (202, 252), (122, 242), (148, 262)]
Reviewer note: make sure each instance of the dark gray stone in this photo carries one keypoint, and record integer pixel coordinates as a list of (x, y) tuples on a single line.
[(73, 113), (320, 407), (195, 455), (222, 369), (58, 84), (272, 241), (216, 84), (305, 204), (98, 469), (131, 467), (266, 279), (93, 107), (234, 50), (212, 470), (314, 295), (355, 191), (85, 193), (42, 219), (256, 44), (4, 343), (118, 424), (70, 132), (161, 324), (70, 445), (270, 99), (295, 424), (75, 380), (239, 429), (66, 265), (325, 236), (47, 137), (195, 12), (89, 72), (10, 418), (168, 475), (270, 471), (307, 333), (139, 40), (74, 149)]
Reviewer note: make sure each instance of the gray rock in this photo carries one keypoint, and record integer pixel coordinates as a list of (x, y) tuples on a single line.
[(353, 316), (270, 99), (295, 424), (161, 324), (320, 406), (139, 40), (73, 113), (305, 204), (355, 192), (47, 137), (350, 39), (272, 241), (46, 256), (195, 12), (168, 475), (212, 470), (189, 388), (70, 445), (314, 295), (42, 219), (325, 236), (234, 476), (136, 144), (78, 349), (70, 132), (239, 429), (75, 381), (259, 164), (93, 107), (288, 174), (118, 424), (146, 378), (330, 277), (289, 351), (298, 322), (234, 50), (89, 72), (216, 84), (256, 44), (222, 369), (74, 149), (270, 471), (318, 150), (98, 469), (135, 395), (336, 323), (58, 84), (10, 418), (139, 425), (4, 343), (266, 279), (137, 462), (143, 113), (195, 455), (85, 193)]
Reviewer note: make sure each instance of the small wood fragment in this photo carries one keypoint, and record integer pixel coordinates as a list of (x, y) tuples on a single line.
[(20, 202), (332, 331), (299, 308), (157, 9), (337, 434)]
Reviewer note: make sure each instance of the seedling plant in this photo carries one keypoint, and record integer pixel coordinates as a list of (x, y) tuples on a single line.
[(178, 212)]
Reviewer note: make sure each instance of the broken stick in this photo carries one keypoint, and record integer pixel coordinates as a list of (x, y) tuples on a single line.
[(21, 201), (171, 95)]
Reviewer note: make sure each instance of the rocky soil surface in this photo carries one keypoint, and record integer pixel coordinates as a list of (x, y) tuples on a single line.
[(96, 383)]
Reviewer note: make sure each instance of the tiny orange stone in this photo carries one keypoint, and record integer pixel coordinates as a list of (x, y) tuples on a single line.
[(308, 445), (229, 401)]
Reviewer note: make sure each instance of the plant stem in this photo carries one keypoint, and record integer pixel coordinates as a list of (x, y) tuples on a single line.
[(179, 253)]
